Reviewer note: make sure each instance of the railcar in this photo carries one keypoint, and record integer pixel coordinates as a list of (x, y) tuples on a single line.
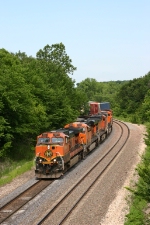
[(58, 150)]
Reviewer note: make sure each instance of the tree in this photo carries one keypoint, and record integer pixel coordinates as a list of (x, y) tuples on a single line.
[(56, 54), (60, 93), (21, 113), (145, 108), (91, 87), (132, 94)]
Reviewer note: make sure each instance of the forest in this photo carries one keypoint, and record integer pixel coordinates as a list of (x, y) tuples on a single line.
[(39, 94)]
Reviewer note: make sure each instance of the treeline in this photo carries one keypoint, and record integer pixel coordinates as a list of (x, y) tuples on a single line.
[(129, 100), (36, 94), (134, 100)]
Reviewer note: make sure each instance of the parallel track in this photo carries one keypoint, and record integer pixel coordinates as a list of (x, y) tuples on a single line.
[(15, 204), (124, 135)]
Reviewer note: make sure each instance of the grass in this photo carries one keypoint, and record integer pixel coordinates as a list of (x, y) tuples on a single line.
[(136, 215), (9, 170), (140, 199)]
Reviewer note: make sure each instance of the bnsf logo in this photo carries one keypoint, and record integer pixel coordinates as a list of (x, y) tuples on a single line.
[(48, 153)]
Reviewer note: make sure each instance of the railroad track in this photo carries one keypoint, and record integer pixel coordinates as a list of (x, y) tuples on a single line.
[(7, 211), (15, 204), (79, 190)]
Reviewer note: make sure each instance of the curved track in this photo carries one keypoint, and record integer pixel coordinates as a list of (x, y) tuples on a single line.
[(55, 213), (15, 204)]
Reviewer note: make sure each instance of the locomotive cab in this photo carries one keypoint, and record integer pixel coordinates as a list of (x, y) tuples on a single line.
[(50, 150)]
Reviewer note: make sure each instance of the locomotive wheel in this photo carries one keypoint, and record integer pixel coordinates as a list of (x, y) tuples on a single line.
[(109, 130), (97, 143), (84, 153), (103, 137)]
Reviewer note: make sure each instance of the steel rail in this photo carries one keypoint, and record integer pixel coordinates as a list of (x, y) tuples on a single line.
[(80, 181), (20, 200)]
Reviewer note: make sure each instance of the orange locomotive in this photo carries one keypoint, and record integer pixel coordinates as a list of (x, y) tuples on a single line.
[(57, 151)]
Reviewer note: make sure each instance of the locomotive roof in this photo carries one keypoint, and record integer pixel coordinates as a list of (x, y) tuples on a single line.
[(105, 113), (91, 122), (96, 116), (61, 130), (75, 130)]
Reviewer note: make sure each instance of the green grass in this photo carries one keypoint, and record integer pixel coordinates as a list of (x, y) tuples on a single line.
[(141, 194), (136, 215), (9, 170)]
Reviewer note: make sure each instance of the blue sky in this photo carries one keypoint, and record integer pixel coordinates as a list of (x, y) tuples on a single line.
[(106, 40)]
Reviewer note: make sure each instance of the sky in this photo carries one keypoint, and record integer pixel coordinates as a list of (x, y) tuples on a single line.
[(106, 40)]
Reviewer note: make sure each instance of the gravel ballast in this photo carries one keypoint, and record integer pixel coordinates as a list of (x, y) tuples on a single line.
[(94, 209)]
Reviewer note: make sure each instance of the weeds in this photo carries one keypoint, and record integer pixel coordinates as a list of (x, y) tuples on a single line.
[(9, 170)]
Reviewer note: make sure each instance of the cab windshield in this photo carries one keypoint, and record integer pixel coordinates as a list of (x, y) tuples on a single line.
[(57, 140), (43, 141)]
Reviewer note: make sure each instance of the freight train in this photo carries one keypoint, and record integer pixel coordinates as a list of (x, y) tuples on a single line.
[(58, 150)]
